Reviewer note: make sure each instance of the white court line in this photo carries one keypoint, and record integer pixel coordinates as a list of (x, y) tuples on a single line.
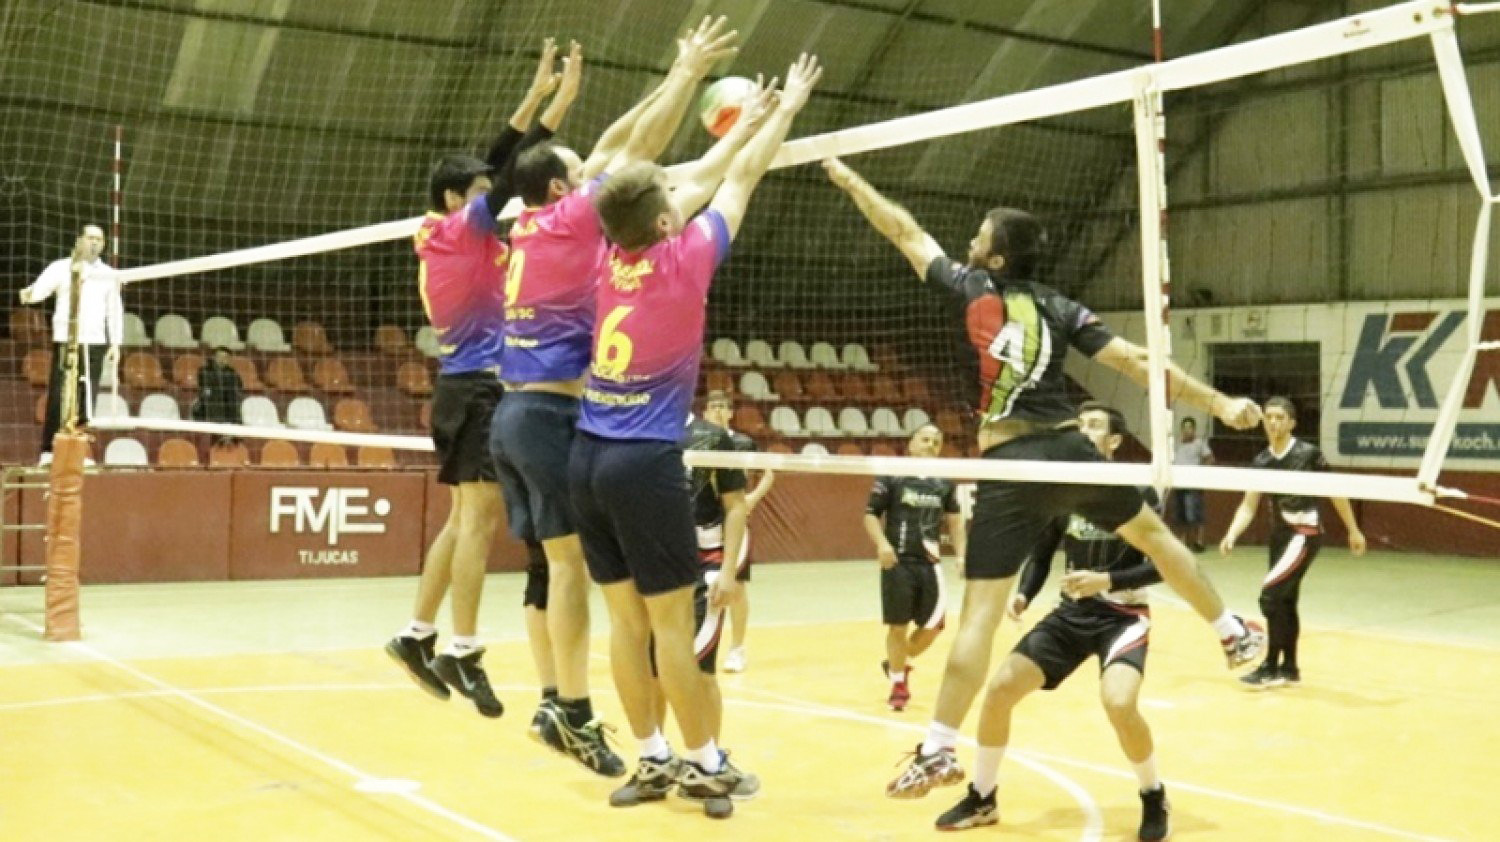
[(1093, 820), (420, 801), (808, 706)]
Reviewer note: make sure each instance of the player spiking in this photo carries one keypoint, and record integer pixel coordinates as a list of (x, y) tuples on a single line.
[(626, 470), (1020, 331)]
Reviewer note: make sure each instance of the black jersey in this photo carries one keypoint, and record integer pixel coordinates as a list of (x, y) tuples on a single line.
[(1292, 511), (742, 442), (707, 484), (913, 508), (1020, 331), (1087, 547)]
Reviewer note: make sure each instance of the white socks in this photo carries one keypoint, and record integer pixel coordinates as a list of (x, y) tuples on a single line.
[(1228, 626), (939, 736), (708, 757), (656, 747), (1145, 772), (418, 630), (897, 677), (987, 769), (458, 645)]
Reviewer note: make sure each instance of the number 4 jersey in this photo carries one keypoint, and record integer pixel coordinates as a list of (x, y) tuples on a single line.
[(1020, 331), (649, 335)]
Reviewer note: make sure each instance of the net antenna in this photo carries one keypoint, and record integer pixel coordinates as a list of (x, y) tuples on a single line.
[(1156, 273)]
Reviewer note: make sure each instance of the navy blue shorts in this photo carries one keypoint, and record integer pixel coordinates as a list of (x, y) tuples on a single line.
[(633, 512), (1188, 507), (529, 440)]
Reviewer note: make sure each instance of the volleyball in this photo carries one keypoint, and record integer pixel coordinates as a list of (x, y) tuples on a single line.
[(720, 105)]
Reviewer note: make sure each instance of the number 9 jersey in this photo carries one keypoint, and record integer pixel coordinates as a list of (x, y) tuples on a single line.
[(648, 339)]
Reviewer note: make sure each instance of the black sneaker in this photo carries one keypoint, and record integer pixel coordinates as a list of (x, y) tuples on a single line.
[(973, 811), (464, 674), (415, 656), (1289, 676), (715, 790), (1261, 677), (652, 780), (539, 721), (1156, 822), (585, 744)]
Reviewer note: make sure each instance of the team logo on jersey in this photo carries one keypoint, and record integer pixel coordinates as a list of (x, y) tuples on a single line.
[(918, 500), (626, 277)]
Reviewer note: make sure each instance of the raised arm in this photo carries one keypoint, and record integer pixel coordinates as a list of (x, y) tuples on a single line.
[(695, 184), (613, 140), (894, 222), (543, 82), (1132, 361), (696, 55), (1242, 518), (568, 84), (751, 163)]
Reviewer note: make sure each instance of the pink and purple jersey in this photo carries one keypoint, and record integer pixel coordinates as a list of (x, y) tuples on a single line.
[(649, 336), (461, 279), (549, 290)]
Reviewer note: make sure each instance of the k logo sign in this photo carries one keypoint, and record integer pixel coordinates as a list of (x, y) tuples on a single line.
[(331, 512)]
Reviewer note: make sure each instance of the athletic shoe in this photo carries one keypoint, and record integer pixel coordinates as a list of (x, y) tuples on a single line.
[(1288, 677), (586, 744), (924, 772), (1261, 677), (464, 674), (1156, 822), (415, 656), (900, 695), (539, 722), (972, 811), (749, 785), (885, 669), (1245, 647), (652, 780), (736, 659), (715, 790)]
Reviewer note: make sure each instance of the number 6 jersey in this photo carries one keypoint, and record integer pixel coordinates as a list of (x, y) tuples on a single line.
[(648, 337)]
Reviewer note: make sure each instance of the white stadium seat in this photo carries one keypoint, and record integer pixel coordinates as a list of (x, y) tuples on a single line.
[(753, 385), (727, 351), (135, 332), (819, 422), (784, 421), (258, 411), (812, 448), (158, 405), (823, 356), (307, 414), (885, 423), (173, 331), (267, 336), (758, 353), (857, 358), (427, 341), (220, 332), (913, 420), (110, 405), (852, 422), (793, 355), (127, 452)]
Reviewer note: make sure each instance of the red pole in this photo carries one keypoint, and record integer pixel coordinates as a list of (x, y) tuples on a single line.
[(116, 197)]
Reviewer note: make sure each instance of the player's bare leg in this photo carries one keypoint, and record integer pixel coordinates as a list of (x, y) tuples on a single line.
[(415, 647), (478, 504), (1119, 690), (1017, 677), (568, 615)]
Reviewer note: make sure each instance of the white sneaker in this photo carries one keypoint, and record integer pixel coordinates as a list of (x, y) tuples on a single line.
[(735, 660)]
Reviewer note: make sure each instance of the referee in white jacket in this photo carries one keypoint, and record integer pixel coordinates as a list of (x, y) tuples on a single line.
[(101, 325)]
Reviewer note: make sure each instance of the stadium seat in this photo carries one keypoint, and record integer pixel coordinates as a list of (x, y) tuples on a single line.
[(759, 354), (328, 455), (820, 387), (126, 452), (883, 422), (40, 413), (258, 411), (173, 331), (749, 420), (135, 332), (784, 420), (279, 453), (424, 416), (951, 422), (265, 335), (413, 379), (793, 355), (161, 406), (915, 390), (848, 448), (110, 405), (330, 375), (38, 367), (812, 448), (753, 385), (880, 448), (823, 356), (778, 447), (855, 387), (718, 380), (185, 371), (913, 420), (856, 357), (306, 414), (951, 451), (391, 341), (885, 390), (232, 454), (788, 385), (375, 457), (352, 415), (142, 370), (249, 377), (427, 342), (29, 326), (852, 422), (177, 453), (309, 338), (727, 351), (819, 422), (284, 374), (220, 332)]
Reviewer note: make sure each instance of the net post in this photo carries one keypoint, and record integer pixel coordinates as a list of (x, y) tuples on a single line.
[(1155, 282), (65, 498)]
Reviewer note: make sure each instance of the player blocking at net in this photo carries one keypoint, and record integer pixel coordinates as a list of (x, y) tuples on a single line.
[(626, 470), (1020, 331), (460, 274), (557, 245)]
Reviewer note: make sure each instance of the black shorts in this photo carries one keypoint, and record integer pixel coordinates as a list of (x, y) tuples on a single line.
[(530, 440), (913, 592), (1072, 633), (1009, 517), (462, 406), (709, 629), (633, 513)]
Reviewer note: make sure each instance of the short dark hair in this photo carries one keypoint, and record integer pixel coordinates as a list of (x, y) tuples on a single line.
[(1285, 403), (1117, 425), (629, 204), (456, 173), (1190, 420), (1019, 238), (535, 169)]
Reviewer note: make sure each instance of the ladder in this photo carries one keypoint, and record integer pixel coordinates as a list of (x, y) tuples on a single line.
[(16, 480)]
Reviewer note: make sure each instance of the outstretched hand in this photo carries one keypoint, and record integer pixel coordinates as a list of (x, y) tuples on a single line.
[(707, 45), (1239, 413), (758, 106), (571, 78), (546, 79), (801, 77)]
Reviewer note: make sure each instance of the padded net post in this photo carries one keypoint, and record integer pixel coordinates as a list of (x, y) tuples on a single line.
[(65, 501)]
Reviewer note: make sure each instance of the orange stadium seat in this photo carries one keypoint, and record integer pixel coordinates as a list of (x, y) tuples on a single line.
[(916, 391), (718, 380), (352, 415), (820, 387), (185, 371), (279, 453), (309, 338), (249, 377), (424, 415), (284, 375), (885, 390), (228, 455), (855, 388), (330, 375), (849, 448), (328, 455), (38, 366), (177, 453), (142, 370), (880, 448), (413, 379), (391, 340), (951, 422), (951, 451), (40, 413), (788, 385), (28, 325), (376, 457), (749, 420), (778, 447)]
